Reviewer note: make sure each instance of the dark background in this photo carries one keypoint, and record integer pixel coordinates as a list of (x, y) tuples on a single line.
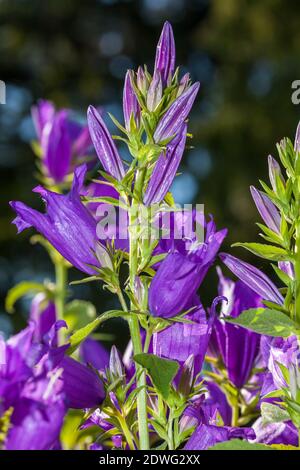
[(245, 53)]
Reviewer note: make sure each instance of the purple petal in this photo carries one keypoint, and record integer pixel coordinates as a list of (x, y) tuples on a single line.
[(130, 102), (253, 278), (92, 352), (165, 169), (42, 114), (67, 225), (56, 146), (165, 53), (267, 209), (176, 114), (82, 387), (104, 145)]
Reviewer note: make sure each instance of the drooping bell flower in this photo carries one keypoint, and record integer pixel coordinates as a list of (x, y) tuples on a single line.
[(177, 113), (204, 415), (253, 278), (67, 225), (63, 141), (130, 103), (165, 169), (165, 53), (182, 340), (181, 273), (238, 347), (104, 145), (268, 211)]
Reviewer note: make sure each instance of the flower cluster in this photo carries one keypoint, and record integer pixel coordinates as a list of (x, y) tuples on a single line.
[(193, 376)]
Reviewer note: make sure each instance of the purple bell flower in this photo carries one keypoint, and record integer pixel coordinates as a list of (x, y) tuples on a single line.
[(63, 141), (181, 273), (253, 278), (67, 225), (165, 53), (104, 145), (237, 346)]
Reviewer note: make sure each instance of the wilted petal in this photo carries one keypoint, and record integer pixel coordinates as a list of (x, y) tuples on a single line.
[(104, 145), (165, 169), (267, 209), (253, 278), (177, 113)]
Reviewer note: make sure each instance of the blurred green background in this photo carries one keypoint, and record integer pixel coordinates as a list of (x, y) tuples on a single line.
[(245, 53)]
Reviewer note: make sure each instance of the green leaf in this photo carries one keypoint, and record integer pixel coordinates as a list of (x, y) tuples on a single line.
[(161, 371), (273, 413), (266, 322), (21, 289), (271, 252), (238, 444), (81, 334), (78, 313)]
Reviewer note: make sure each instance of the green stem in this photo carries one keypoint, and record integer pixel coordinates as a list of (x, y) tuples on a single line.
[(133, 321), (60, 294), (127, 433), (297, 273), (170, 432), (235, 414)]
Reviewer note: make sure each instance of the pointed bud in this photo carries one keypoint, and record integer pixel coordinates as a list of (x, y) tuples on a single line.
[(165, 53), (165, 169), (103, 256), (268, 211), (253, 278), (187, 376), (183, 85), (155, 92), (297, 139), (176, 114), (115, 363), (141, 80), (130, 102), (104, 145), (274, 172)]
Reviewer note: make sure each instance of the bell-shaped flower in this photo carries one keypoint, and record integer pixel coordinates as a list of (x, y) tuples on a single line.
[(67, 225)]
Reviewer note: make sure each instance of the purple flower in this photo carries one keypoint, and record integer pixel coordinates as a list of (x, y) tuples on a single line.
[(62, 140), (42, 313), (67, 225), (104, 145), (181, 273), (165, 169), (130, 103), (177, 113), (92, 352), (253, 278), (182, 340), (165, 53), (237, 346), (268, 211), (206, 436), (275, 433), (274, 172)]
